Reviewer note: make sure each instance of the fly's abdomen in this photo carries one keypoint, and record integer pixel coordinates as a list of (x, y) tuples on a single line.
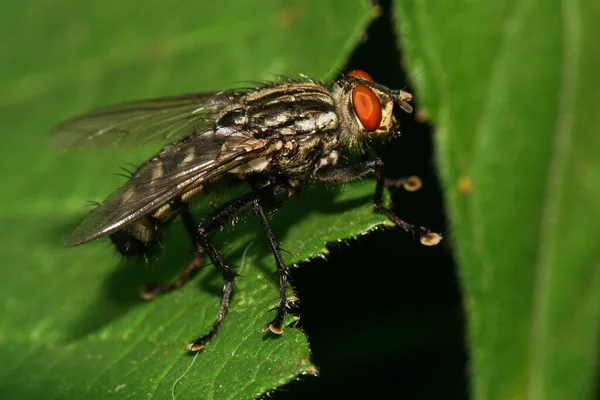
[(140, 238), (143, 236)]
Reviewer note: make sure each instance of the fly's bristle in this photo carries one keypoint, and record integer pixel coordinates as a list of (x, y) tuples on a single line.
[(128, 172)]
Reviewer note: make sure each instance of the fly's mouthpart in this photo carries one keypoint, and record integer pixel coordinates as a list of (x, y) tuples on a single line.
[(403, 98)]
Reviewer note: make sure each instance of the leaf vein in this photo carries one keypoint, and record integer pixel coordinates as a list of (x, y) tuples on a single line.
[(554, 188)]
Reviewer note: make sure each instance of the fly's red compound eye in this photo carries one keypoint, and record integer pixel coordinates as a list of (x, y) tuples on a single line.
[(357, 73), (367, 107)]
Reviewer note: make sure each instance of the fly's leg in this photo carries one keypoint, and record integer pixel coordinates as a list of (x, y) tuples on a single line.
[(273, 195), (150, 291), (410, 184), (349, 173), (229, 277), (282, 307)]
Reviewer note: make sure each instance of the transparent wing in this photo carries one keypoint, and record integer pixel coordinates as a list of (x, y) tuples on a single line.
[(141, 122), (179, 168)]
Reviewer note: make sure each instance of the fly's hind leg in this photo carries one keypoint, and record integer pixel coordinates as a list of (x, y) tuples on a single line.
[(229, 277), (279, 195), (271, 195), (150, 291)]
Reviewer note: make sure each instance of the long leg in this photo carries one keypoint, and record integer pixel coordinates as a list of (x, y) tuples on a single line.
[(272, 194), (229, 277), (150, 291), (353, 172), (275, 325)]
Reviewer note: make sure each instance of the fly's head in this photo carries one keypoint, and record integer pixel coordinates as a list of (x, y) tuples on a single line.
[(366, 108)]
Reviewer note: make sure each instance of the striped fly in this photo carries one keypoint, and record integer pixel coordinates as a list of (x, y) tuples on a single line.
[(274, 138)]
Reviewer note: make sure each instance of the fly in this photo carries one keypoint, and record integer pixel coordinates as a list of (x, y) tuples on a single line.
[(275, 138)]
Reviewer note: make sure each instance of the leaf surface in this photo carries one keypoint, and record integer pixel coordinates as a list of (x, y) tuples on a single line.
[(72, 324), (512, 89)]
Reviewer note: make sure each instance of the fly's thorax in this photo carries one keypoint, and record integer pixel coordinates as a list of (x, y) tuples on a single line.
[(287, 108), (299, 118), (301, 156)]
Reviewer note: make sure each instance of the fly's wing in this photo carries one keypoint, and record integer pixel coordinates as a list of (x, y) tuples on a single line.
[(141, 122), (179, 168)]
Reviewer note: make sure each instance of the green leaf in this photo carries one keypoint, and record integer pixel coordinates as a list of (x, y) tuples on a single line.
[(513, 90), (72, 324)]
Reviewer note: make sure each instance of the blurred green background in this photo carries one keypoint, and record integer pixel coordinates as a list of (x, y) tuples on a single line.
[(512, 91)]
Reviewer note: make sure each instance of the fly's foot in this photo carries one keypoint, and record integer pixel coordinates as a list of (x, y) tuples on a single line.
[(198, 344), (150, 291), (410, 184), (276, 325), (427, 237), (430, 238)]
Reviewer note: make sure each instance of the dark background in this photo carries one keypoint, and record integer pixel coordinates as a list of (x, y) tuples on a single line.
[(383, 313)]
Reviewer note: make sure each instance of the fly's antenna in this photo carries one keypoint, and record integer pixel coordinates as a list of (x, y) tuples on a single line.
[(403, 98)]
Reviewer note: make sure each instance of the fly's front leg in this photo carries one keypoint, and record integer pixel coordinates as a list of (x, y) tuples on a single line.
[(150, 291), (410, 184), (350, 173)]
